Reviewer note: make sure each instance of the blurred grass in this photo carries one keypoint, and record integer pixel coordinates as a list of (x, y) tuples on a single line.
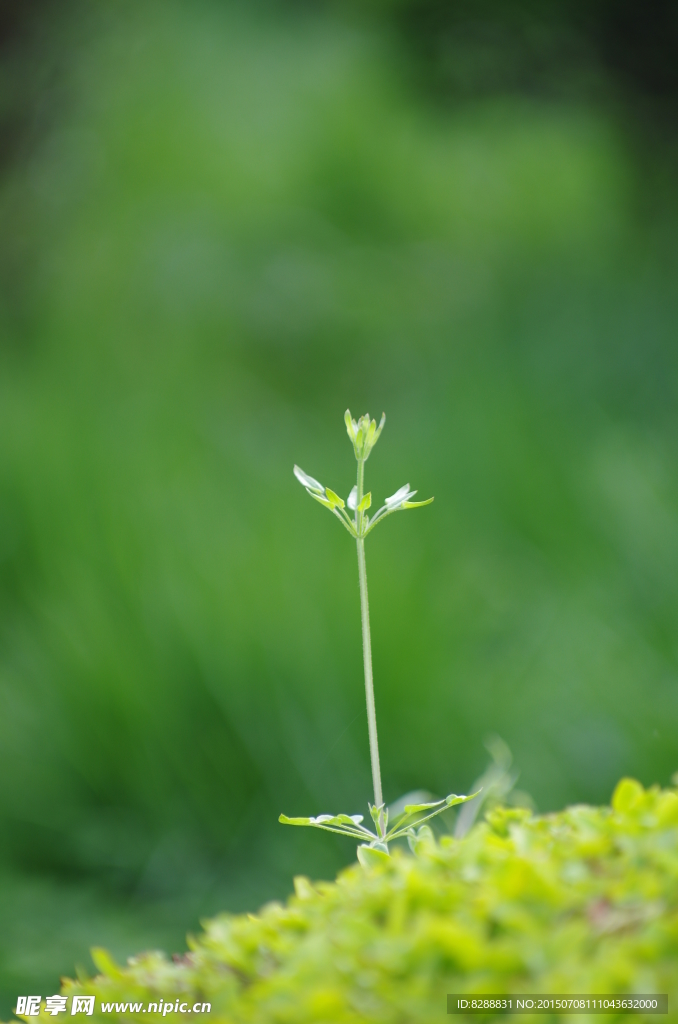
[(239, 224)]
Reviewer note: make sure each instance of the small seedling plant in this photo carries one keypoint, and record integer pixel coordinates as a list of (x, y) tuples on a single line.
[(410, 820)]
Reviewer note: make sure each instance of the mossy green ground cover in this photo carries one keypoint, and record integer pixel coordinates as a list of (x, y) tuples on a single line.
[(585, 901)]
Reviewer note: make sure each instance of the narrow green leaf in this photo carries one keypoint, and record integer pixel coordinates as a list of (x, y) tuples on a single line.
[(416, 808), (334, 497), (284, 820), (401, 828), (366, 502), (452, 800), (416, 504), (323, 501)]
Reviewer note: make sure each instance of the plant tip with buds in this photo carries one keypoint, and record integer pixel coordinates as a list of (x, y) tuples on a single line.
[(364, 433)]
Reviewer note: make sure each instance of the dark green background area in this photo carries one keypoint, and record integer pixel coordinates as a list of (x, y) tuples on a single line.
[(218, 228)]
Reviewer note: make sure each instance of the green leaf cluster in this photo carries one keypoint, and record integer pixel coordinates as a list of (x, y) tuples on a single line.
[(364, 434), (407, 822), (585, 900)]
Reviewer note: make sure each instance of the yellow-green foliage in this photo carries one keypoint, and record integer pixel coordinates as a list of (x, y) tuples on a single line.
[(585, 900)]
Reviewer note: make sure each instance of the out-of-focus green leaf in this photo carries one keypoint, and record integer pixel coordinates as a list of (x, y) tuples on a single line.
[(105, 963), (371, 857), (303, 888), (416, 838), (627, 795)]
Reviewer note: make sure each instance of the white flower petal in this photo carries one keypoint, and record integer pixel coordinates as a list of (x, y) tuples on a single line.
[(402, 494), (356, 818), (352, 500), (322, 817), (307, 481)]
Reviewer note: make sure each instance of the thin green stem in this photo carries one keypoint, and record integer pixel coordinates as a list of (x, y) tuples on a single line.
[(367, 659), (381, 514), (344, 520), (346, 832)]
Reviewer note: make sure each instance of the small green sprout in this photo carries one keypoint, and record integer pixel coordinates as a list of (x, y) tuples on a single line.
[(364, 434)]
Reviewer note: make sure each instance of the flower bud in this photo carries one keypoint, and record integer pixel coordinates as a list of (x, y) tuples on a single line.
[(364, 434)]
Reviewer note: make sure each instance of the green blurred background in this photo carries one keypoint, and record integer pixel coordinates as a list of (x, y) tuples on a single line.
[(220, 224)]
